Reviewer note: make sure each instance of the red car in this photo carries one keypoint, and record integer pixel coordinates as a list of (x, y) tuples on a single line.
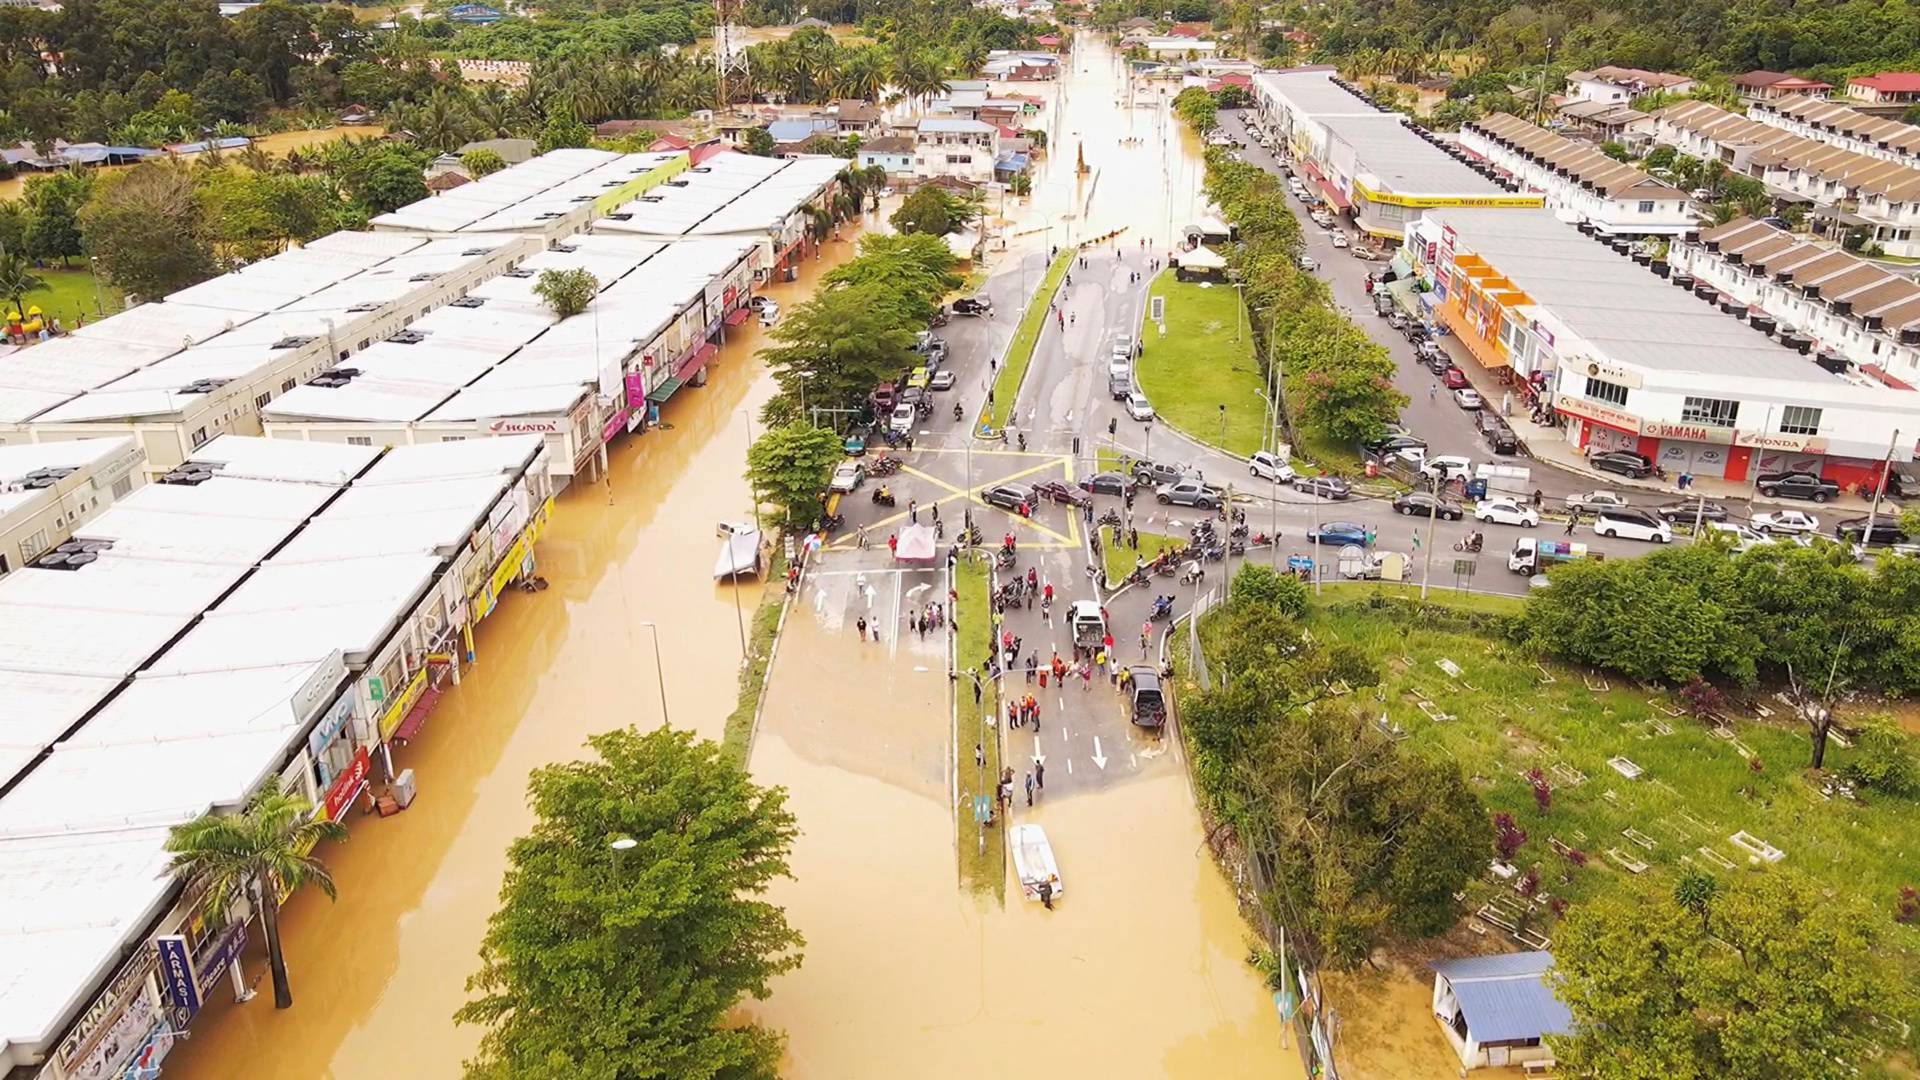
[(1455, 379), (1055, 491)]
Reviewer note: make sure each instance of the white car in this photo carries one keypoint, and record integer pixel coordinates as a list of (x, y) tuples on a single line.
[(1741, 537), (1786, 521), (1467, 399), (1267, 465), (1307, 264), (1445, 467), (1633, 525), (902, 420), (1138, 407), (847, 476), (1596, 500), (886, 193), (1338, 239), (769, 312), (1507, 512), (1118, 368)]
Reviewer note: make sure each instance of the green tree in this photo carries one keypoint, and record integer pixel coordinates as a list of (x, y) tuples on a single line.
[(930, 210), (567, 292), (1198, 108), (17, 279), (1777, 979), (54, 202), (915, 270), (849, 338), (791, 466), (146, 228), (1883, 758), (1694, 892), (479, 163), (631, 961), (385, 177), (264, 850), (758, 142), (562, 131), (1353, 401), (1256, 584)]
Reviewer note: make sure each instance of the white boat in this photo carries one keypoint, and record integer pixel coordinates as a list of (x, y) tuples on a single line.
[(739, 552), (1033, 860)]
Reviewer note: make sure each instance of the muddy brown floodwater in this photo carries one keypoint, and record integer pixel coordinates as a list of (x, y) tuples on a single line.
[(377, 975)]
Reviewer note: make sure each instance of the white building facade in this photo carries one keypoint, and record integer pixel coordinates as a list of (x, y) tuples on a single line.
[(1580, 183), (964, 149)]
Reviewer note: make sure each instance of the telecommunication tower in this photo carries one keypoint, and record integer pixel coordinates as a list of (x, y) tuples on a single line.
[(730, 52)]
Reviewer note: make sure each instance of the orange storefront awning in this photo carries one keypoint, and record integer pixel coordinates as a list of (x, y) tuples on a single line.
[(1486, 352)]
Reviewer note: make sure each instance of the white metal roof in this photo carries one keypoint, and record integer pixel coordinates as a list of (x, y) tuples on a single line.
[(523, 196), (19, 460), (369, 400), (232, 497), (168, 708), (1404, 163), (383, 245), (674, 208), (439, 461), (114, 583), (80, 641), (36, 708), (292, 587), (149, 324), (159, 534), (140, 784), (210, 361), (255, 457), (220, 641), (477, 403)]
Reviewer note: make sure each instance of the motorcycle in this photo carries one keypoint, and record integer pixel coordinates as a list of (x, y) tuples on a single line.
[(1110, 519), (958, 413), (1004, 560), (1260, 540), (1473, 543), (1162, 609), (883, 497), (830, 523), (885, 465)]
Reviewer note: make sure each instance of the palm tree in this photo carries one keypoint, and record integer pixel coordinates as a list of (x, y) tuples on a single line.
[(973, 56), (264, 848), (17, 279), (255, 157)]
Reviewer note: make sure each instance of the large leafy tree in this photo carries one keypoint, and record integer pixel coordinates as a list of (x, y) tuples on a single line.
[(54, 203), (791, 466), (1365, 841), (147, 229), (915, 269), (849, 339), (17, 279), (264, 849), (1763, 977), (933, 211), (630, 961)]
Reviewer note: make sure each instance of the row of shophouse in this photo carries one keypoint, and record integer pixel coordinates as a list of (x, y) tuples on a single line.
[(1631, 353), (1877, 194), (247, 531)]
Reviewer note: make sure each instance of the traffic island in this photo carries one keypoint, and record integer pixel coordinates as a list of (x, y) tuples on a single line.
[(1203, 361), (982, 849)]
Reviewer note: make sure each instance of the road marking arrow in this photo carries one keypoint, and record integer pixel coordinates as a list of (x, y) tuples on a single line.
[(1099, 758)]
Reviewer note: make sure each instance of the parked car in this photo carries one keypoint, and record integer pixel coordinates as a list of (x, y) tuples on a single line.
[(1785, 521), (1008, 496), (1189, 491), (1055, 491), (1138, 407), (769, 311), (903, 418), (1684, 512), (1337, 239), (856, 440), (1467, 399), (1107, 483), (1266, 465), (973, 305), (1388, 445), (1739, 536), (1308, 264), (1444, 467), (1124, 345), (1597, 500), (1339, 533), (1624, 462), (1884, 530), (1421, 504), (847, 476), (1633, 525), (1506, 512), (1498, 433), (1796, 485), (1160, 472), (1322, 487), (942, 380), (1454, 379)]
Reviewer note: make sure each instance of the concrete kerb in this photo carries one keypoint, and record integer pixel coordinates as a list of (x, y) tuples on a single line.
[(773, 654)]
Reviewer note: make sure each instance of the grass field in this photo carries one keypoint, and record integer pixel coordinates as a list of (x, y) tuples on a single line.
[(68, 295), (981, 871), (1006, 385), (1506, 715), (738, 736), (1198, 366)]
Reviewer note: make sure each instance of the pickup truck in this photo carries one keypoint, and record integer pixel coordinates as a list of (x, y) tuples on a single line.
[(1532, 555)]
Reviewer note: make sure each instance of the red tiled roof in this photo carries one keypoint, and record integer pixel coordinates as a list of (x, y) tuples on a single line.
[(711, 150), (1893, 82), (669, 142)]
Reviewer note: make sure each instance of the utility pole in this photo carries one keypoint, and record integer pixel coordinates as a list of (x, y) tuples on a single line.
[(1886, 467), (1433, 515), (1753, 462)]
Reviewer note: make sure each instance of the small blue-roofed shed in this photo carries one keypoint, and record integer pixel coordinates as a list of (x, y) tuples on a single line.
[(1496, 1010)]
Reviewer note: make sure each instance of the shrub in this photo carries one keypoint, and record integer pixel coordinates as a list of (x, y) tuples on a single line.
[(1883, 759), (1508, 836)]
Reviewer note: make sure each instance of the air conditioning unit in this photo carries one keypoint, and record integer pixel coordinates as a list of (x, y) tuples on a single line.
[(294, 341), (408, 337), (468, 302)]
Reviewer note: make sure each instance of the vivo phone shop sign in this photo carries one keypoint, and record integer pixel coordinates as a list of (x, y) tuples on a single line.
[(521, 425)]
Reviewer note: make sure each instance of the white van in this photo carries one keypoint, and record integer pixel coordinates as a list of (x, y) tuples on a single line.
[(1634, 525)]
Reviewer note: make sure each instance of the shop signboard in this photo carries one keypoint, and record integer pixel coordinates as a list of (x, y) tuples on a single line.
[(105, 1013), (1588, 410), (145, 1063), (1705, 433), (347, 786), (123, 1042), (1776, 440), (326, 731), (314, 692), (396, 712), (176, 978), (213, 960), (520, 425), (1613, 373)]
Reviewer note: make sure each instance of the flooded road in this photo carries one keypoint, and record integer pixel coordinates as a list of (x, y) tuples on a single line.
[(1141, 968), (376, 976)]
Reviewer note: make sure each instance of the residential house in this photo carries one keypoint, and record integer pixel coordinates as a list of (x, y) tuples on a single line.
[(1580, 183), (790, 135), (1136, 23), (1048, 41), (856, 117), (966, 149), (1773, 85), (1164, 47), (1621, 85), (1496, 1010), (894, 153), (1888, 88), (1834, 123), (734, 127), (1605, 121)]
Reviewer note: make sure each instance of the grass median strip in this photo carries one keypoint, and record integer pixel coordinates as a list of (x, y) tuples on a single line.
[(982, 867), (753, 673), (1197, 366), (1006, 385)]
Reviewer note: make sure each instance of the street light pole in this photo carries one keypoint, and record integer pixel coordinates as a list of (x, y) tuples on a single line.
[(660, 673), (1223, 428), (1426, 571), (1886, 467)]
